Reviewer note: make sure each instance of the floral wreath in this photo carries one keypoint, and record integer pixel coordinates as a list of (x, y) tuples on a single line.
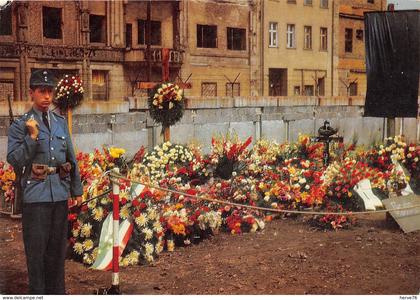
[(166, 104), (69, 93)]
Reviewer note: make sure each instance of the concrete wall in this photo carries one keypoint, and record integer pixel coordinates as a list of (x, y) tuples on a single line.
[(274, 118)]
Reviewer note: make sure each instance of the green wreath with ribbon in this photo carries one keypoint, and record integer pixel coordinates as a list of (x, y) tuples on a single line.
[(166, 104)]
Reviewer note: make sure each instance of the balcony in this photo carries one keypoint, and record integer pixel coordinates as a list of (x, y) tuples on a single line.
[(139, 55)]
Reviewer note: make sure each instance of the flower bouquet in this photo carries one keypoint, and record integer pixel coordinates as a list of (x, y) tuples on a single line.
[(166, 104), (69, 93)]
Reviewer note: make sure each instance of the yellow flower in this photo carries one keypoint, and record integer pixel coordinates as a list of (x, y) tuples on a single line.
[(87, 245), (171, 245), (116, 152), (125, 212)]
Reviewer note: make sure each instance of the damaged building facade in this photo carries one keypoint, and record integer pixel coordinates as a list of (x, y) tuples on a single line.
[(222, 48)]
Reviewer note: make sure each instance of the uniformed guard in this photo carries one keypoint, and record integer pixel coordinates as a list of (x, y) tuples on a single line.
[(39, 144)]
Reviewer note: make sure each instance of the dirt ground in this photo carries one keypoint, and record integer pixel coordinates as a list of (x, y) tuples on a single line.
[(288, 257)]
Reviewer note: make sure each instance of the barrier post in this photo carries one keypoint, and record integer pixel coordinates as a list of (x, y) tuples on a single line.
[(115, 286)]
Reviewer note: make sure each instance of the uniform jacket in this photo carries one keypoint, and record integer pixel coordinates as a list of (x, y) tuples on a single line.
[(52, 148)]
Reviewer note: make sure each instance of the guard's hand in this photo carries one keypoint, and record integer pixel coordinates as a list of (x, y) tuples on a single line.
[(33, 128), (74, 201)]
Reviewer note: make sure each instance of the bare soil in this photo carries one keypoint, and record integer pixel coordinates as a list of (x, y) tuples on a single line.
[(288, 257)]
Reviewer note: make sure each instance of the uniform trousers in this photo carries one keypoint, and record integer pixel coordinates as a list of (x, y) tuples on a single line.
[(44, 227)]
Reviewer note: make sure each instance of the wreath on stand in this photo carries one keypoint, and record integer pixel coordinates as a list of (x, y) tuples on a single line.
[(166, 104), (68, 93)]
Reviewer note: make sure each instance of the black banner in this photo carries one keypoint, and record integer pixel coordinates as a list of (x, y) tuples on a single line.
[(392, 63)]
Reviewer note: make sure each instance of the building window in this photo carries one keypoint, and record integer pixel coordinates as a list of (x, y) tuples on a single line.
[(323, 4), (307, 2), (51, 21), (233, 89), (353, 89), (236, 38), (309, 90), (273, 34), (308, 37), (97, 26), (291, 39), (128, 35), (371, 1), (6, 19), (324, 39), (206, 36), (296, 90), (155, 31), (99, 85), (278, 82), (209, 89), (348, 40), (291, 1), (359, 34)]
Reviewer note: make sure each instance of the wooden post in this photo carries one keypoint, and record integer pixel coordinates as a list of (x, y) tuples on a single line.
[(70, 120), (390, 127), (167, 134)]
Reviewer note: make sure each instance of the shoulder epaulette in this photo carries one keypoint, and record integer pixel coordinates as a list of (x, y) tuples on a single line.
[(57, 115)]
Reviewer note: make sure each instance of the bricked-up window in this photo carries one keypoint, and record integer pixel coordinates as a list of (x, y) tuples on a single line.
[(323, 4), (236, 38), (321, 86), (359, 34), (348, 40), (51, 20), (296, 90), (307, 2), (6, 89), (155, 32), (206, 36), (307, 37), (208, 89), (97, 25), (99, 85), (371, 1), (273, 34), (323, 45), (6, 19), (291, 36), (233, 89), (309, 90), (353, 89)]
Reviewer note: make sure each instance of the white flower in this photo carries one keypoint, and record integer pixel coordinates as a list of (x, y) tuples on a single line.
[(157, 227), (148, 248), (78, 248), (152, 215), (86, 230), (148, 234), (141, 220)]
